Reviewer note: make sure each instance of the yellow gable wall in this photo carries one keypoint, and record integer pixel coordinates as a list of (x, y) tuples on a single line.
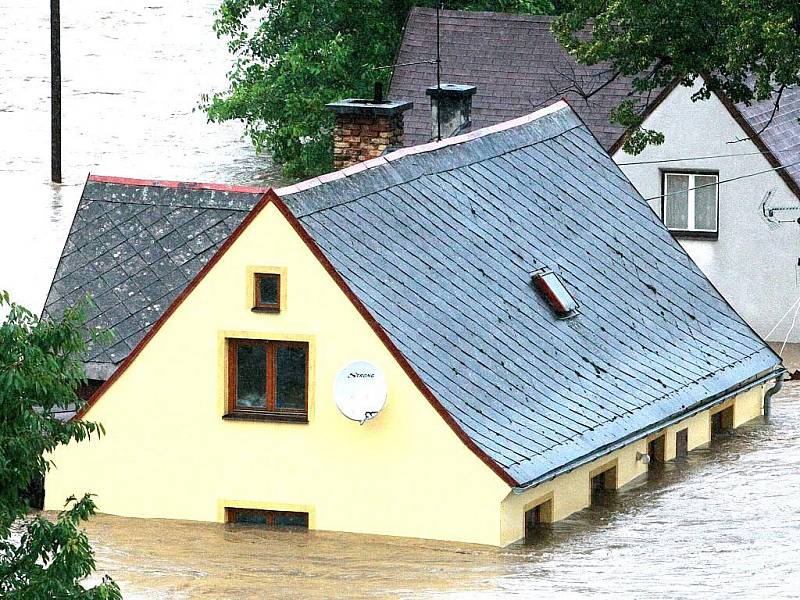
[(169, 454)]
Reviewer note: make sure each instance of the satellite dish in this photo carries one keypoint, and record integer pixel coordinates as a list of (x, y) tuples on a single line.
[(360, 391)]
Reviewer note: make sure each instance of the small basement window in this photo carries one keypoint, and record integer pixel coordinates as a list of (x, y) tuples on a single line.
[(682, 443), (268, 292), (721, 422), (555, 293), (267, 380), (268, 518)]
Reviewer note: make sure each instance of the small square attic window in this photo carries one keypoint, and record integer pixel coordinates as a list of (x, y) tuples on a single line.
[(268, 292), (553, 290)]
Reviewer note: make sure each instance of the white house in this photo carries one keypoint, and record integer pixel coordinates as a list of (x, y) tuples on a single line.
[(744, 232), (726, 187)]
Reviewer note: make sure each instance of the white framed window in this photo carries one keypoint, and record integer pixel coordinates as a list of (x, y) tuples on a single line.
[(690, 204)]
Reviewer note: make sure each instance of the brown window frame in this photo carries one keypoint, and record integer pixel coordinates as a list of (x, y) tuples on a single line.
[(260, 306), (270, 412), (270, 516)]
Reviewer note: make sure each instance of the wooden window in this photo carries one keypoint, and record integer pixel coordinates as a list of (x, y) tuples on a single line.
[(268, 292), (690, 204), (682, 443), (267, 380), (268, 518)]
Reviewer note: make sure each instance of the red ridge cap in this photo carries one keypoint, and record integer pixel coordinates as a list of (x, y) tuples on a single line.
[(188, 185)]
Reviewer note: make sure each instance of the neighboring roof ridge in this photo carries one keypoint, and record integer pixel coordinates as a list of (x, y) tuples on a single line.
[(484, 14), (189, 185), (266, 198), (422, 148)]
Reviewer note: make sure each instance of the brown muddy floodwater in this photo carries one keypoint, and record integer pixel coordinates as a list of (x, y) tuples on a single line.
[(723, 524)]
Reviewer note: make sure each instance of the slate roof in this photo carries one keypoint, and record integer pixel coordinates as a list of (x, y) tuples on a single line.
[(782, 136), (518, 66), (514, 61), (134, 248), (439, 241)]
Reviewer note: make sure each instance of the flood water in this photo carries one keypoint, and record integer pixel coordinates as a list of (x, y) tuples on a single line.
[(725, 523), (133, 73)]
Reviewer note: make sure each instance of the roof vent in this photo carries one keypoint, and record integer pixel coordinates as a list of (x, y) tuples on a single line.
[(555, 292)]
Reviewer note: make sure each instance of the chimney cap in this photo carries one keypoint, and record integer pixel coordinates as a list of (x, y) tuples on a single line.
[(360, 106), (451, 90)]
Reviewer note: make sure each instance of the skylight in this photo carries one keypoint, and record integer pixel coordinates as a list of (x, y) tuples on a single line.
[(555, 293)]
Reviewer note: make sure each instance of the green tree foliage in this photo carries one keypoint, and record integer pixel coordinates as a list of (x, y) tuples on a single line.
[(750, 50), (40, 370), (294, 56)]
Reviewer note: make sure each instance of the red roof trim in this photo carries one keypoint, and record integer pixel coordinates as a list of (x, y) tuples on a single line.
[(265, 199), (189, 185), (390, 346), (271, 196)]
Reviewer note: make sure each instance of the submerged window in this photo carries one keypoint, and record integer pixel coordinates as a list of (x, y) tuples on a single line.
[(721, 421), (555, 293), (682, 443), (537, 519), (268, 380), (269, 518), (268, 292), (690, 204)]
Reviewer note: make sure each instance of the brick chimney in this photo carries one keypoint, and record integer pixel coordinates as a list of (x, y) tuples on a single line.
[(453, 102), (365, 129)]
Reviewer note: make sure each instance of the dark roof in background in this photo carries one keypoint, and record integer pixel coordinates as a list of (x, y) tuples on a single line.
[(439, 243), (134, 246), (515, 62), (782, 136), (518, 66)]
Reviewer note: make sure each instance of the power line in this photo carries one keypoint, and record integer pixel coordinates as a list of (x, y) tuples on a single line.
[(667, 160), (698, 187)]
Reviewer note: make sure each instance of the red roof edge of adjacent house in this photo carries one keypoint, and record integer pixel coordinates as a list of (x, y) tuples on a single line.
[(218, 187)]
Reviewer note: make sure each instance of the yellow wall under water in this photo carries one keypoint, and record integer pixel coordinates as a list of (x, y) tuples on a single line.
[(168, 453), (571, 492)]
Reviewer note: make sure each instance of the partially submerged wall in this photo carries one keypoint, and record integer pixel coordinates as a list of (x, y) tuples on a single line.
[(168, 453), (571, 492)]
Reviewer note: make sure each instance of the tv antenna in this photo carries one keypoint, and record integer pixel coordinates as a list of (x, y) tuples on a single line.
[(776, 213), (437, 61)]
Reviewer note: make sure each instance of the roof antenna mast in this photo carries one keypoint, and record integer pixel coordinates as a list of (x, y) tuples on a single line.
[(438, 75)]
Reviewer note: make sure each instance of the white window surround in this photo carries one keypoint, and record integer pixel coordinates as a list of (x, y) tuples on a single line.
[(690, 202)]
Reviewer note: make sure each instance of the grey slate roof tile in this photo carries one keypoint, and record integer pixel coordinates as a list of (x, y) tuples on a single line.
[(134, 248), (439, 246)]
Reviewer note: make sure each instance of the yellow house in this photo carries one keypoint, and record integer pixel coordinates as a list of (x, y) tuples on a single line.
[(539, 332)]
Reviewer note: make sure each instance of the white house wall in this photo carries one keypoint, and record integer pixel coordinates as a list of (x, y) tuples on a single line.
[(754, 264)]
